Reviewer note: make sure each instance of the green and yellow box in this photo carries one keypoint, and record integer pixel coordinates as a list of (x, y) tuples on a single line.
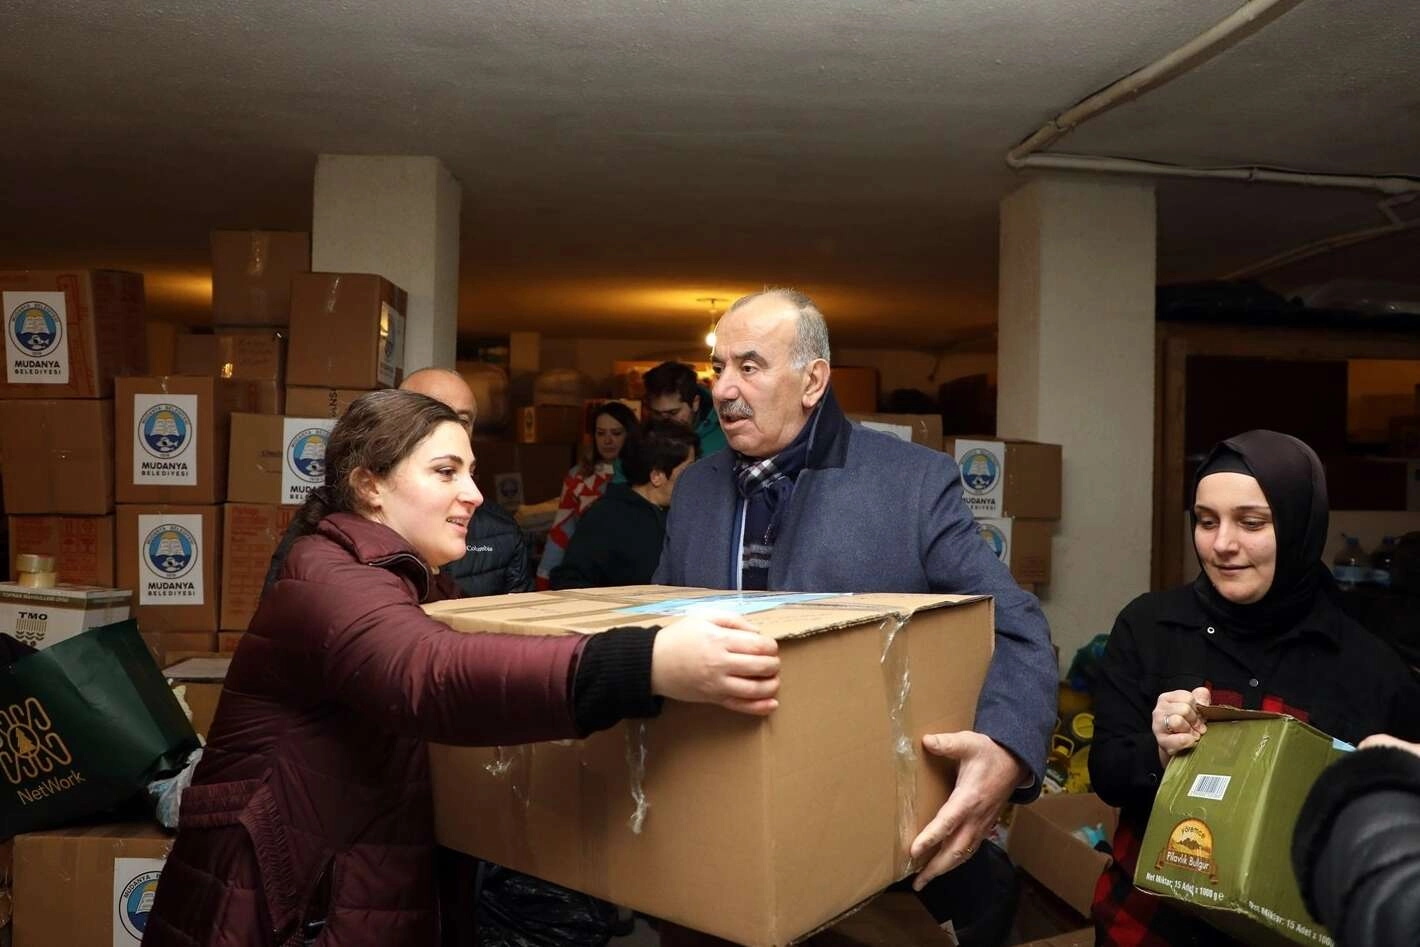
[(1220, 835)]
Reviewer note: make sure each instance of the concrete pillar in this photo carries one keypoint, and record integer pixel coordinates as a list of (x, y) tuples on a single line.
[(1076, 368), (397, 216)]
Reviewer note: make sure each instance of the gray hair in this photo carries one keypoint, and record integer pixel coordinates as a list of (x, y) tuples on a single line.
[(811, 337)]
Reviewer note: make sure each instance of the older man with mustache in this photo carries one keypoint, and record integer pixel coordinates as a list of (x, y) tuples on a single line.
[(805, 501)]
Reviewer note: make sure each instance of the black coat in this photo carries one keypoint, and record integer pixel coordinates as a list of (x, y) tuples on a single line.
[(1356, 850), (497, 560), (617, 542)]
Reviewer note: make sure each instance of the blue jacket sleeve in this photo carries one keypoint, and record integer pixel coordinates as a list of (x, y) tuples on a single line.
[(1019, 700)]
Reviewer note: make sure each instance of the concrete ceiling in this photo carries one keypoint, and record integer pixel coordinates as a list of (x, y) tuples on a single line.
[(621, 158)]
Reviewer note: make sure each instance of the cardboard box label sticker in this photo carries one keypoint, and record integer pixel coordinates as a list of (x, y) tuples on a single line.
[(305, 441), (391, 344), (35, 350), (165, 439), (135, 885), (983, 472), (170, 559), (997, 533)]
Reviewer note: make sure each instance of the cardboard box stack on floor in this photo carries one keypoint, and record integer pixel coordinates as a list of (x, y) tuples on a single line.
[(67, 335), (1012, 487), (809, 811), (86, 885)]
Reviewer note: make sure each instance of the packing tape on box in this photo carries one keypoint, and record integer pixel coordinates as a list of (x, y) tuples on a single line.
[(515, 764), (38, 580), (258, 253), (636, 764), (898, 679), (33, 562), (332, 296)]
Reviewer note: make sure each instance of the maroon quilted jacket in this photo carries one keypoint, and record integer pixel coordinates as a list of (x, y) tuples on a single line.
[(312, 797)]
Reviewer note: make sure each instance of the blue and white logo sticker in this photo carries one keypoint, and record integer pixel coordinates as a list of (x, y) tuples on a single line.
[(306, 440), (135, 887), (35, 348), (165, 439), (982, 474), (996, 538), (170, 550)]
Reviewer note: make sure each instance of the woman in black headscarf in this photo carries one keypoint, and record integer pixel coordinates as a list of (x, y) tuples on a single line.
[(1259, 629)]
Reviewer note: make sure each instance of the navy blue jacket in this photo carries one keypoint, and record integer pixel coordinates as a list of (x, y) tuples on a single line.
[(872, 513)]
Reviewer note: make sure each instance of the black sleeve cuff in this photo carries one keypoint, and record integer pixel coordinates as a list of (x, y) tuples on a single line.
[(613, 679)]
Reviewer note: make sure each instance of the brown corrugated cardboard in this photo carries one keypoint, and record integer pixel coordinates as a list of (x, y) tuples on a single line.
[(227, 641), (788, 801), (172, 437), (855, 388), (924, 429), (251, 275), (255, 462), (86, 886), (548, 424), (1220, 833), (1022, 544), (69, 333), (1008, 478), (57, 456), (201, 681), (1084, 937), (1042, 845), (170, 556), (167, 647), (250, 534), (347, 331), (254, 354), (892, 919), (82, 546), (512, 474), (320, 402)]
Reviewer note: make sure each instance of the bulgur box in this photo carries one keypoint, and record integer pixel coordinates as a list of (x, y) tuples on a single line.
[(758, 830)]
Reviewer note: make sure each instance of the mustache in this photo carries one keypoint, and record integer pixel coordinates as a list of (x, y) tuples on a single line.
[(737, 410)]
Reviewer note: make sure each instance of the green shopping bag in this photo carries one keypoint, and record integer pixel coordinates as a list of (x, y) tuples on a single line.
[(84, 725)]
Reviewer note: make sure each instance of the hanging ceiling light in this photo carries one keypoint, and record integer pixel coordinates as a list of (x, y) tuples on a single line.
[(712, 302)]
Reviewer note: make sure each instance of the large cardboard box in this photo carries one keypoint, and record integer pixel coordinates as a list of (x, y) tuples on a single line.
[(1023, 545), (44, 617), (513, 474), (172, 437), (89, 885), (320, 402), (57, 456), (250, 534), (251, 275), (1043, 845), (924, 429), (790, 821), (69, 333), (82, 546), (170, 556), (255, 355), (276, 460), (549, 424), (1008, 478), (1219, 839), (347, 331)]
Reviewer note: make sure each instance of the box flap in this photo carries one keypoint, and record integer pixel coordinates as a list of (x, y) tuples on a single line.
[(1223, 713), (780, 615), (199, 669)]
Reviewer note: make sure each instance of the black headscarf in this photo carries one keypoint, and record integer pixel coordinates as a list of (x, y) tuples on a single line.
[(1294, 484)]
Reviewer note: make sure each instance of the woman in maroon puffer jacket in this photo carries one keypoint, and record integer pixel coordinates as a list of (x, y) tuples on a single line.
[(309, 819)]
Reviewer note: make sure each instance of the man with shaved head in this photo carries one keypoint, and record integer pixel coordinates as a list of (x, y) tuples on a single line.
[(497, 559), (805, 501)]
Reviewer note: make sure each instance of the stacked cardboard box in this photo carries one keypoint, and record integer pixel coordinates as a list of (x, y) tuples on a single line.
[(1012, 487), (67, 335)]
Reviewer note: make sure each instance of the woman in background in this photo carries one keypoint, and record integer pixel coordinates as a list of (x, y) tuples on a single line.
[(610, 427)]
